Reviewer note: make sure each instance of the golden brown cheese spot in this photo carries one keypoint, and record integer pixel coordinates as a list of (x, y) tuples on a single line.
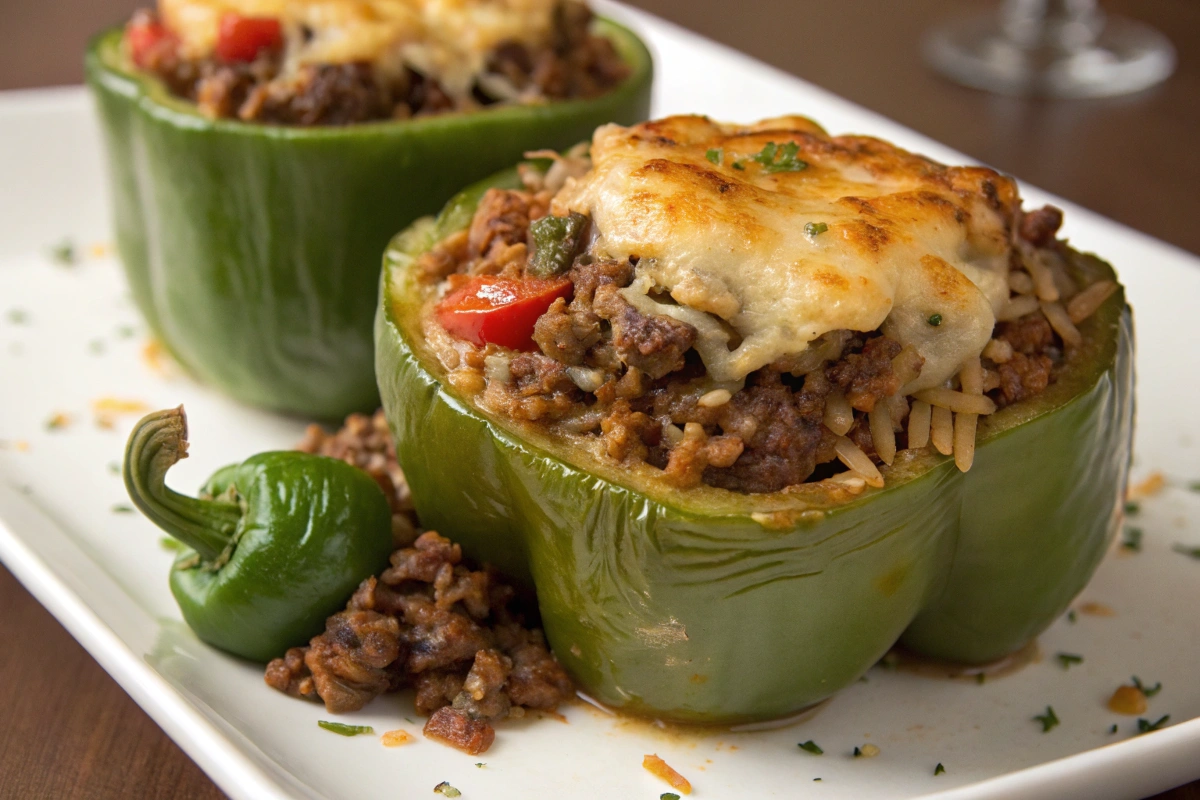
[(447, 39), (905, 238)]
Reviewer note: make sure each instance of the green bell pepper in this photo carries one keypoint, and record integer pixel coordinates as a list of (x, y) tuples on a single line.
[(710, 606), (253, 250), (275, 544)]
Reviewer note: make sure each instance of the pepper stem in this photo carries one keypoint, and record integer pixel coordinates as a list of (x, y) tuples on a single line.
[(159, 441)]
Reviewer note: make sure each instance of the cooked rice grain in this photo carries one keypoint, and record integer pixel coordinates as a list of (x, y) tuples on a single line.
[(918, 424), (1084, 304), (882, 434), (941, 430), (858, 462), (839, 416), (958, 401), (1062, 324)]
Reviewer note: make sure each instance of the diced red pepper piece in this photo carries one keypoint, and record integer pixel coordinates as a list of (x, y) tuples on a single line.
[(145, 36), (491, 310), (243, 38)]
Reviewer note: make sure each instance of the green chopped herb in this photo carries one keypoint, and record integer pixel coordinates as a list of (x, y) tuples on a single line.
[(715, 155), (480, 764), (167, 543), (126, 331), (114, 467), (1149, 691), (96, 346), (122, 508), (1071, 616), (1194, 486), (1133, 508), (816, 779), (815, 228), (18, 316), (857, 752), (739, 165), (1069, 659), (774, 158), (1048, 720), (811, 747), (64, 252), (939, 769), (980, 678), (935, 319), (1113, 729), (446, 790), (670, 795), (1133, 540), (409, 721), (1193, 552), (57, 422), (1145, 726), (343, 729)]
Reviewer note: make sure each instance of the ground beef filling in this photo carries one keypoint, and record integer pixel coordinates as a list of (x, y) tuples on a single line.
[(574, 64), (427, 622), (634, 381)]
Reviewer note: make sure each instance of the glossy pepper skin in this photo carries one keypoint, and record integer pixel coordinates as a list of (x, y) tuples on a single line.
[(253, 250), (710, 606), (275, 544)]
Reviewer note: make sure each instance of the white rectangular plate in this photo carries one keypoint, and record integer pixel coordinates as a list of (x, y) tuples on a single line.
[(69, 335)]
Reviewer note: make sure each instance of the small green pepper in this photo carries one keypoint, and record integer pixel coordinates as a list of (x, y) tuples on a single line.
[(555, 241), (275, 544)]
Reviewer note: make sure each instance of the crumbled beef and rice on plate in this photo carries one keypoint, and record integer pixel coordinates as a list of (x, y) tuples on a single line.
[(334, 62), (751, 308)]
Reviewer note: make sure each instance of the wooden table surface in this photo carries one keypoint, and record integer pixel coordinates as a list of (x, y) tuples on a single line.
[(69, 731)]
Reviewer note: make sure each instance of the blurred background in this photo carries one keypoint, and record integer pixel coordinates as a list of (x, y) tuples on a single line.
[(1132, 158), (72, 732)]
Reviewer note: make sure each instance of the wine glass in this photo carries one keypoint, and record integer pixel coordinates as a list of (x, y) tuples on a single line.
[(1050, 48)]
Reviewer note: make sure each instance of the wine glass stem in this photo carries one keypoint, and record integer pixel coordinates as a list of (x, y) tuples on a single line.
[(1064, 24)]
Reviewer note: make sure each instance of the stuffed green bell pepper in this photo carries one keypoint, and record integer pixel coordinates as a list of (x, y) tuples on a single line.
[(259, 164), (748, 405)]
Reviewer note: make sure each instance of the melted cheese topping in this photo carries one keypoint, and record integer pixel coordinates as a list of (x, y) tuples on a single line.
[(449, 40), (725, 249)]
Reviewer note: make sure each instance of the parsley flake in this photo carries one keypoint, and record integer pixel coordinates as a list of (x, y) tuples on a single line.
[(857, 753), (1133, 540), (1194, 486), (739, 165), (64, 252), (668, 796), (480, 764), (167, 543), (126, 331), (96, 347), (1146, 726), (1133, 508), (1193, 552), (980, 677), (715, 155), (774, 158), (122, 508), (939, 769), (343, 729), (446, 790), (114, 467), (815, 228), (811, 747), (935, 319), (1071, 616), (1069, 659), (1113, 729), (1149, 691), (18, 316), (1048, 720)]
